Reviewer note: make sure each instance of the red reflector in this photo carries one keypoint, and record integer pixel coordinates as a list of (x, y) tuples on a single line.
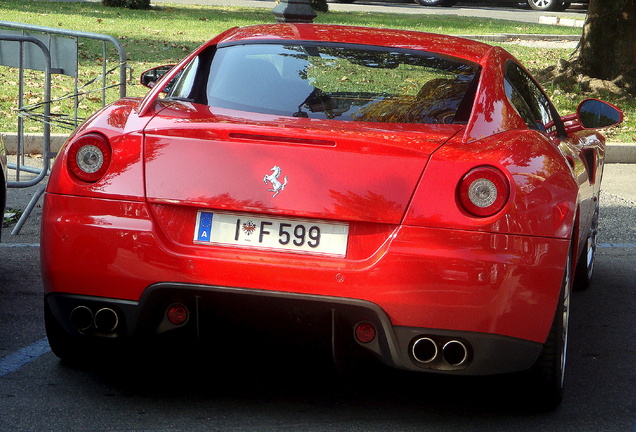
[(177, 314), (560, 213), (365, 332)]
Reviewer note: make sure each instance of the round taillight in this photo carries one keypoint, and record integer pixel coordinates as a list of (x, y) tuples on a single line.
[(89, 157), (483, 191), (177, 314), (365, 332)]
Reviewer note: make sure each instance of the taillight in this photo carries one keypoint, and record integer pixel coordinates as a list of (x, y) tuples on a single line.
[(483, 191), (89, 157)]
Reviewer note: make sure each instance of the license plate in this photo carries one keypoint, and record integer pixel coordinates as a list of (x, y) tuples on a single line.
[(296, 235)]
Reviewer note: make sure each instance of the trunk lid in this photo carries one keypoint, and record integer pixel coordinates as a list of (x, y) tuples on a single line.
[(226, 160)]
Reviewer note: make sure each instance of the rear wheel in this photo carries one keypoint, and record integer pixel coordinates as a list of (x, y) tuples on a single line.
[(62, 344), (585, 265), (445, 3), (548, 373)]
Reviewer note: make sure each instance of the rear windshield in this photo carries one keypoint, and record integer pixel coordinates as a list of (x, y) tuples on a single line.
[(331, 82)]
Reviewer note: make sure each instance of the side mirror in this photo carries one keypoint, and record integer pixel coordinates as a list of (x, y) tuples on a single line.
[(596, 114), (150, 77)]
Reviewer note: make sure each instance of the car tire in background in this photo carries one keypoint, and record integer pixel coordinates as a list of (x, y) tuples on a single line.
[(548, 5), (445, 3)]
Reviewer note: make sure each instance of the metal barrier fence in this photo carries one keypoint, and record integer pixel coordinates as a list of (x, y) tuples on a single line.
[(52, 51), (46, 67)]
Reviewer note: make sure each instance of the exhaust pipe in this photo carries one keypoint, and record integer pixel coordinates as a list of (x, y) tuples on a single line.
[(81, 318), (424, 350), (106, 320), (455, 353)]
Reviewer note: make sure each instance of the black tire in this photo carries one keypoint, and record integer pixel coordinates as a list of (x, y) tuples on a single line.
[(3, 198), (545, 5), (444, 3), (62, 344), (585, 264), (548, 373)]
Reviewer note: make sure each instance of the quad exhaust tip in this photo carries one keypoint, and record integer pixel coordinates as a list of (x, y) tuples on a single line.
[(106, 320), (454, 353), (424, 350), (83, 319)]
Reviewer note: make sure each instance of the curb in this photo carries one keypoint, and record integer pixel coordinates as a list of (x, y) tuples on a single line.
[(620, 153), (615, 152), (566, 22), (33, 143)]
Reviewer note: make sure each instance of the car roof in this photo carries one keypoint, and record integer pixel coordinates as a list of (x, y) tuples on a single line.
[(443, 44)]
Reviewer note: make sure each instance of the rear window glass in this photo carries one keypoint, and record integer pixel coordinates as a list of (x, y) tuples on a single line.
[(331, 82)]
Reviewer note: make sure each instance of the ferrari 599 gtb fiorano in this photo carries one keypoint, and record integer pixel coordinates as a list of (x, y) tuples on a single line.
[(412, 197)]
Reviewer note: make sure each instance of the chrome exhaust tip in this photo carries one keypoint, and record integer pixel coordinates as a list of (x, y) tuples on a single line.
[(106, 320), (81, 318), (424, 350), (455, 353)]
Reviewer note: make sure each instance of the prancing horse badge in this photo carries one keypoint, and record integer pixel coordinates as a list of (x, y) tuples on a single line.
[(272, 178)]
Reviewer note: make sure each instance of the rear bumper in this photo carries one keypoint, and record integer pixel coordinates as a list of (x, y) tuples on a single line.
[(219, 313), (495, 292)]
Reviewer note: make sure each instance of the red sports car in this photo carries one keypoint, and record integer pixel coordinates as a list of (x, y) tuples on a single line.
[(407, 196)]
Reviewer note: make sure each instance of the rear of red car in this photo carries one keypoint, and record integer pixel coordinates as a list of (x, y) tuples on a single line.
[(309, 202)]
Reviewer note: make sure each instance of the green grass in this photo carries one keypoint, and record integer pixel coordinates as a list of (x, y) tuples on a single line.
[(166, 35)]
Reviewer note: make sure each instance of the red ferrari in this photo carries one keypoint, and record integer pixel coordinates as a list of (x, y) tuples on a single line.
[(407, 196)]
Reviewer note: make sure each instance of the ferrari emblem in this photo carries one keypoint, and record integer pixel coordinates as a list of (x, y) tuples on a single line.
[(272, 178)]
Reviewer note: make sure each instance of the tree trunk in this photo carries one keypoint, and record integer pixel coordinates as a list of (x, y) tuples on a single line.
[(608, 46)]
